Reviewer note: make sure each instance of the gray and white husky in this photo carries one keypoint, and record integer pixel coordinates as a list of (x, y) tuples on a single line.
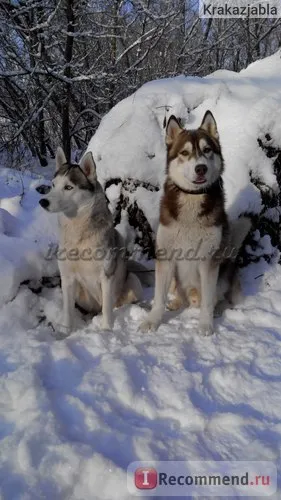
[(194, 230), (94, 271)]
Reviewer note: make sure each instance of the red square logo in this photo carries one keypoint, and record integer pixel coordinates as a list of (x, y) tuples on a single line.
[(146, 478)]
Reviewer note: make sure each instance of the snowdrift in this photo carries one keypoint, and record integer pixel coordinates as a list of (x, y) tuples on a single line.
[(26, 233)]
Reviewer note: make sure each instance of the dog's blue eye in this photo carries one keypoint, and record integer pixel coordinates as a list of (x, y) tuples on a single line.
[(67, 187), (206, 150)]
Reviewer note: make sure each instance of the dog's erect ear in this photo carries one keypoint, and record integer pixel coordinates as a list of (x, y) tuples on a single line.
[(60, 158), (89, 167), (173, 130), (209, 125)]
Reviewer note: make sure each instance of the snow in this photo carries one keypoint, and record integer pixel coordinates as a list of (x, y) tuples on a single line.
[(26, 231), (74, 413)]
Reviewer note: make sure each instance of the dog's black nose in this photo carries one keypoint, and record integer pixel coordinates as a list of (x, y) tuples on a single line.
[(44, 202), (201, 170)]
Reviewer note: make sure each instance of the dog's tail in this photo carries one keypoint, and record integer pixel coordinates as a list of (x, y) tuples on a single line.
[(239, 229), (146, 276), (229, 281)]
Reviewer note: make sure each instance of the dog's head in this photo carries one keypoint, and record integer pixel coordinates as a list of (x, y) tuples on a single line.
[(73, 185), (194, 159)]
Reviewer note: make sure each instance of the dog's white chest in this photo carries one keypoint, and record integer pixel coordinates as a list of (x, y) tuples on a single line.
[(83, 263), (186, 248), (188, 243)]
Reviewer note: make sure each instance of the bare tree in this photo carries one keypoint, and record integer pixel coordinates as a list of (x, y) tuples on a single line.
[(65, 63)]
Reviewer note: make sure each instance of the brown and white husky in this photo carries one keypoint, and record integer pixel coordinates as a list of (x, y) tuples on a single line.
[(195, 242)]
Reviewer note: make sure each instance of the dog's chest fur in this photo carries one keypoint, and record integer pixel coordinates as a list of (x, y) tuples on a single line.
[(82, 238), (192, 221)]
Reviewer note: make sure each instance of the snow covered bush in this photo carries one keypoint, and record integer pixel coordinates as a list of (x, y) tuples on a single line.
[(266, 226), (129, 150)]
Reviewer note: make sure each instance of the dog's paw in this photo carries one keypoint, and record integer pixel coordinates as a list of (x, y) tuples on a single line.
[(206, 328), (106, 325), (174, 304), (148, 326), (194, 298)]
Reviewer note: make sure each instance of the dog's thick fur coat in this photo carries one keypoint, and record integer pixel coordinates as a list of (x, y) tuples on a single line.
[(193, 232), (86, 228)]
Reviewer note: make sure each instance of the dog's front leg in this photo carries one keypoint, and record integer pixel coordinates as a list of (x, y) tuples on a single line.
[(163, 276), (209, 277), (107, 303), (68, 295)]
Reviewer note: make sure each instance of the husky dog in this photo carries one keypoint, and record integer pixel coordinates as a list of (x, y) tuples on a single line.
[(86, 228), (194, 232)]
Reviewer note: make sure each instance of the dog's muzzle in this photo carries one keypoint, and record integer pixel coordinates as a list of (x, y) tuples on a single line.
[(200, 171)]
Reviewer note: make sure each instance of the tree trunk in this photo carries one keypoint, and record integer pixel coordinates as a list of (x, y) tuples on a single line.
[(66, 140)]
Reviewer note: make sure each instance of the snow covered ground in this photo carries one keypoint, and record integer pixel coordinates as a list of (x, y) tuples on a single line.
[(75, 413)]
